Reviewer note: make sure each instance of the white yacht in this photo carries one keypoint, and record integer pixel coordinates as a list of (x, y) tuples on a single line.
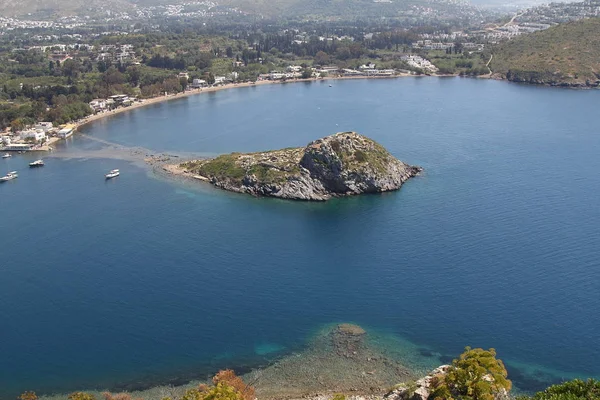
[(112, 174), (36, 163), (6, 155), (9, 177)]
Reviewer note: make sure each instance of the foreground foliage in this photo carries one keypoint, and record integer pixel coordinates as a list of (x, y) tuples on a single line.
[(572, 390), (477, 374), (227, 386)]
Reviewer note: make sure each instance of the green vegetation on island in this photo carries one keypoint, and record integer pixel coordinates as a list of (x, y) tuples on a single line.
[(564, 55), (342, 164)]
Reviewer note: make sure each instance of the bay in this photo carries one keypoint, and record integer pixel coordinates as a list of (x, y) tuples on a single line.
[(145, 279)]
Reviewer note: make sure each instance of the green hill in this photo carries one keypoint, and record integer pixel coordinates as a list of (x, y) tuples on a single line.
[(564, 55)]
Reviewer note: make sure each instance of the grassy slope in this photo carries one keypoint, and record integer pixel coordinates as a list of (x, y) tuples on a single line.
[(564, 54)]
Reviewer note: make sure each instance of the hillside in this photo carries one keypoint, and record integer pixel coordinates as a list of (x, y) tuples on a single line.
[(58, 8), (405, 9), (564, 55), (342, 164), (348, 8)]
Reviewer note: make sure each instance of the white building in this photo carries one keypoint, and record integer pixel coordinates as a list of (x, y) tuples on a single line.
[(65, 132), (43, 126), (276, 76), (98, 105), (35, 135), (198, 83)]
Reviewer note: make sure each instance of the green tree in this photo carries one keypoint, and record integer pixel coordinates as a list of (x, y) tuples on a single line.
[(133, 75), (321, 58), (71, 68), (18, 124), (210, 78), (184, 83), (476, 375), (306, 73), (112, 76)]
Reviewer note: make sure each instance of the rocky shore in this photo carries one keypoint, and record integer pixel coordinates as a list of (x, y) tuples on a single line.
[(342, 164), (340, 359)]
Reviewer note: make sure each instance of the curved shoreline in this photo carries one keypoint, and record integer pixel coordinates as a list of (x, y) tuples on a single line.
[(160, 99)]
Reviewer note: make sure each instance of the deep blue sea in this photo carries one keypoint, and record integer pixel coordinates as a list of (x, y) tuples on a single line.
[(147, 279)]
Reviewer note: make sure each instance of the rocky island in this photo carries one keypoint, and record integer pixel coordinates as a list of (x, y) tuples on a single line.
[(342, 164)]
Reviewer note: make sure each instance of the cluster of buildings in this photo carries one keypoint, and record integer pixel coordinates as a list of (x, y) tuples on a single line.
[(558, 12), (512, 30), (37, 137), (431, 45), (115, 53), (420, 63), (296, 72), (117, 100)]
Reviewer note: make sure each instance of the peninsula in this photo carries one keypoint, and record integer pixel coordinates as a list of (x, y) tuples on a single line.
[(342, 164), (564, 55)]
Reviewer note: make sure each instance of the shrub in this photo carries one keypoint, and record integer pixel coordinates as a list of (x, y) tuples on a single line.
[(228, 377), (221, 391), (81, 396), (28, 396), (572, 390), (116, 396), (475, 375), (360, 156)]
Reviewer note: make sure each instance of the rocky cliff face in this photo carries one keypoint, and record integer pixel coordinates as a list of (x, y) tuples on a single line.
[(342, 164), (420, 389)]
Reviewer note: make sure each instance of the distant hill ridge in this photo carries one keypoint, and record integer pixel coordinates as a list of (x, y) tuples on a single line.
[(347, 8), (564, 55), (50, 8)]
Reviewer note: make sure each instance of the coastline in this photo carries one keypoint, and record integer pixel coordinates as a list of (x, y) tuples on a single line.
[(160, 99), (337, 358)]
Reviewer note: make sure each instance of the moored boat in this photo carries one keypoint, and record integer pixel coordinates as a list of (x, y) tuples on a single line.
[(112, 174), (6, 155), (10, 176), (36, 163)]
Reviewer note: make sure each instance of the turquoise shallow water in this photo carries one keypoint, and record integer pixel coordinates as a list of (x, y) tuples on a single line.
[(143, 280)]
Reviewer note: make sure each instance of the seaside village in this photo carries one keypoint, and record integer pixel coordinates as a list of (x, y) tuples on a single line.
[(39, 137), (42, 135)]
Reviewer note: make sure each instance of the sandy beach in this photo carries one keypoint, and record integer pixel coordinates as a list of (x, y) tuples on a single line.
[(194, 92)]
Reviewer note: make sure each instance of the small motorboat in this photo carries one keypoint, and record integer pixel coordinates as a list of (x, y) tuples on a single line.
[(6, 155), (112, 174), (36, 163), (9, 177), (330, 85)]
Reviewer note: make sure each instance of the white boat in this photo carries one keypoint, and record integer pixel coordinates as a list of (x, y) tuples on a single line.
[(112, 174), (9, 177), (36, 163), (330, 85), (6, 155)]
